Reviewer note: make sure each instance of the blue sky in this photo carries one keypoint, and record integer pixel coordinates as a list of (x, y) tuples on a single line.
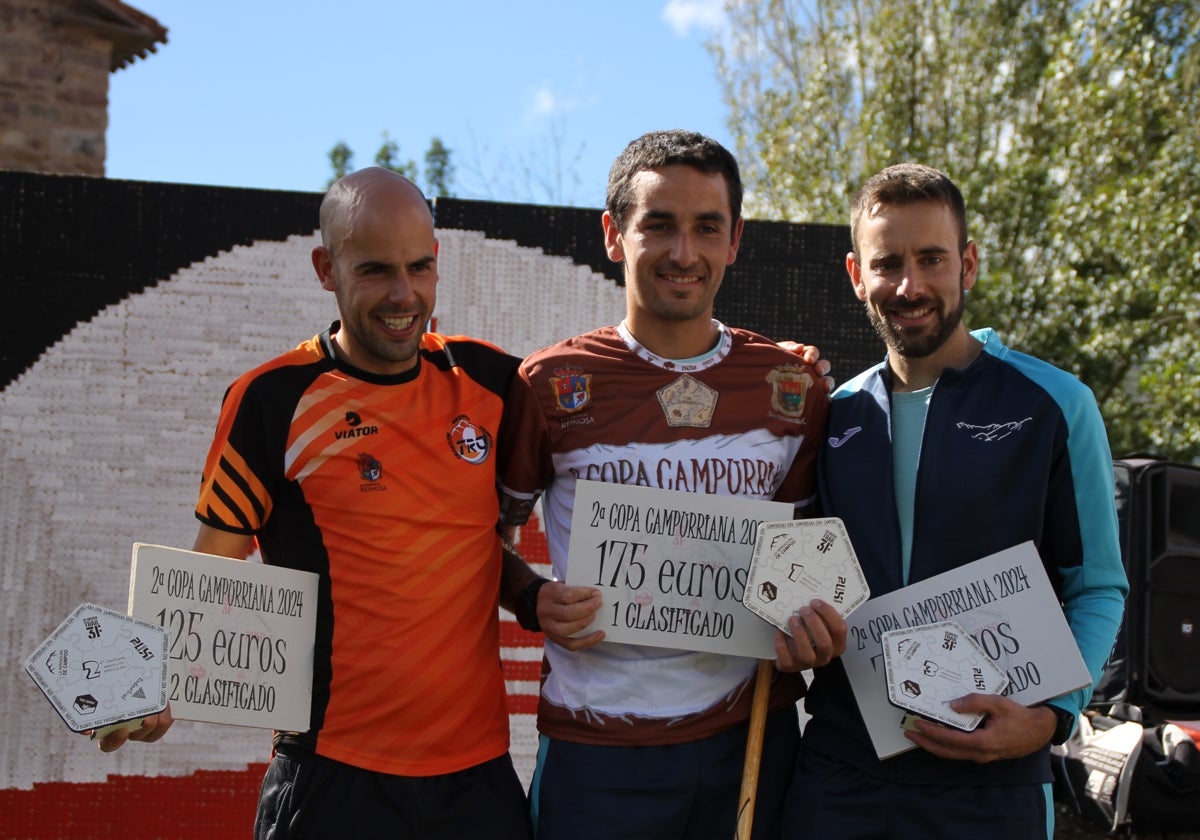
[(255, 93)]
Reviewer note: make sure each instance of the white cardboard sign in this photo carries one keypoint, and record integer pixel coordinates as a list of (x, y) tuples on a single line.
[(1007, 605), (240, 635), (672, 566)]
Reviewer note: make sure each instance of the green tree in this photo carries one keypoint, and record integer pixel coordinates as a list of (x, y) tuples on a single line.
[(387, 157), (340, 160), (439, 166), (1072, 127)]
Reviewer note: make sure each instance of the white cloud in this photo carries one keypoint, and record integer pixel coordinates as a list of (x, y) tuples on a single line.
[(544, 103), (682, 15)]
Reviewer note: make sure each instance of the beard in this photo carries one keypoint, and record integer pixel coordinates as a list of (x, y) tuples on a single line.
[(916, 345), (378, 353)]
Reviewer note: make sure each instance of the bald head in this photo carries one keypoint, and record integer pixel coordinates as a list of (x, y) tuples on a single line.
[(373, 189), (379, 257)]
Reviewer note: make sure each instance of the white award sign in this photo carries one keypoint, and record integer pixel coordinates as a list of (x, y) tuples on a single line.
[(671, 566), (1007, 605), (240, 635)]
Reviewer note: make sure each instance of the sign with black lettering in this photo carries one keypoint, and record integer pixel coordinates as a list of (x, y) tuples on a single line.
[(239, 635), (671, 566), (1007, 605)]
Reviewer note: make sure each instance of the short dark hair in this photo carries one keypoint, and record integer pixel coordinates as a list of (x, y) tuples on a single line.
[(908, 183), (657, 149)]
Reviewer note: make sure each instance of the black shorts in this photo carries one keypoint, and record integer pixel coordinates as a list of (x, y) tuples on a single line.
[(314, 797)]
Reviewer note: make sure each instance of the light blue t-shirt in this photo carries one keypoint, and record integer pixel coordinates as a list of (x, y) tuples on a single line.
[(908, 426)]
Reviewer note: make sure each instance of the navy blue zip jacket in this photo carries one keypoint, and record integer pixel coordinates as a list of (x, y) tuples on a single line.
[(1014, 449)]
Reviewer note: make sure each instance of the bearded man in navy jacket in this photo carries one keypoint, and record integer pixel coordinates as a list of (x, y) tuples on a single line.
[(951, 449)]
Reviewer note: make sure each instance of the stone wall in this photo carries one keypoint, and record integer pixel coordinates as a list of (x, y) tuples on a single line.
[(53, 90)]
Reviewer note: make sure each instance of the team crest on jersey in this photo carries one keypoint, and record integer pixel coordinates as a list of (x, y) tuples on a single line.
[(572, 388), (369, 468), (789, 385), (688, 402), (469, 442)]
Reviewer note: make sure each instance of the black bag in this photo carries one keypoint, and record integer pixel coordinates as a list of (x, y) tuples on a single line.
[(1126, 775), (1166, 782), (1155, 663)]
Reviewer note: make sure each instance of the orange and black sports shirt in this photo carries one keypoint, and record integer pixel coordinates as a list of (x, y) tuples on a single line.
[(385, 487)]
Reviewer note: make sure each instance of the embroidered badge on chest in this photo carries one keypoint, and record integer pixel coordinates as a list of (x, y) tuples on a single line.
[(789, 385), (688, 402), (572, 388)]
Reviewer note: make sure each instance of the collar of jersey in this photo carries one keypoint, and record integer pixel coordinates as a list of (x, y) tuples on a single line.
[(702, 362)]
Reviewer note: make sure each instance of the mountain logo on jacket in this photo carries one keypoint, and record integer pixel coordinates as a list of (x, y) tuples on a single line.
[(992, 432)]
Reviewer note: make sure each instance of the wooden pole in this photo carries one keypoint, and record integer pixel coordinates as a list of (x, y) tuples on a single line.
[(754, 743)]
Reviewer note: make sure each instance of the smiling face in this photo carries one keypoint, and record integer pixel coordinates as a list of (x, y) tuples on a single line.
[(380, 260), (910, 273), (677, 240)]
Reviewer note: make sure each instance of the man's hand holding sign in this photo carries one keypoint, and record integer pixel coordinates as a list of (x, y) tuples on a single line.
[(669, 569)]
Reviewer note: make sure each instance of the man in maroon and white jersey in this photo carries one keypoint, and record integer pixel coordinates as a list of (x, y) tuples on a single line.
[(649, 741)]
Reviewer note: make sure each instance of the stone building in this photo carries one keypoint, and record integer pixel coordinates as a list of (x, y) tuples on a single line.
[(55, 59)]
